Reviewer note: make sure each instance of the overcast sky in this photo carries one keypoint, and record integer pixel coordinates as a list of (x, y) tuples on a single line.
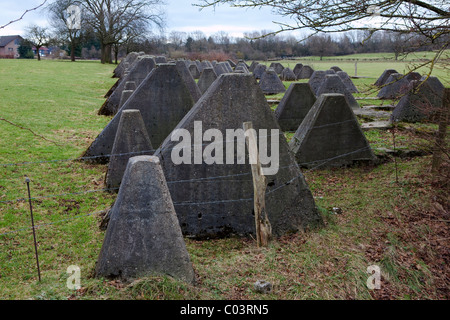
[(180, 16)]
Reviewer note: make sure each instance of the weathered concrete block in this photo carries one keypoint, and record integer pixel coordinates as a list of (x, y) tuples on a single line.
[(330, 135), (305, 72), (207, 77), (270, 83), (384, 76), (143, 235), (294, 106), (216, 199), (131, 140), (334, 84), (395, 87), (421, 102)]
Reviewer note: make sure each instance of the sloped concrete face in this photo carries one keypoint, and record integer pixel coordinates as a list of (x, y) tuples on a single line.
[(142, 67), (395, 87), (288, 75), (435, 84), (305, 73), (278, 67), (420, 103), (163, 100), (384, 76), (294, 106), (189, 80), (330, 135), (298, 67), (270, 83), (252, 66), (207, 77), (316, 80), (125, 95), (336, 69), (215, 200), (143, 235), (193, 69), (125, 63), (347, 81), (242, 66), (259, 70), (334, 84), (131, 140)]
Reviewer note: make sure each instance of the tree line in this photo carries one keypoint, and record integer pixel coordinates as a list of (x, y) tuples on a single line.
[(108, 29)]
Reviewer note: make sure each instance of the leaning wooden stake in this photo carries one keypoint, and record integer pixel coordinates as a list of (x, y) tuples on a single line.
[(263, 227)]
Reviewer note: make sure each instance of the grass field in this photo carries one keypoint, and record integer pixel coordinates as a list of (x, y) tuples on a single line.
[(51, 108)]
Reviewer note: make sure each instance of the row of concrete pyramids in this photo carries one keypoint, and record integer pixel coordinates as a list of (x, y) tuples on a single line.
[(162, 113), (207, 200), (161, 108), (419, 97)]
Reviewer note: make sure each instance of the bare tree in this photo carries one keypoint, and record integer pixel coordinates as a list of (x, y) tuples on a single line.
[(38, 37), (112, 20), (321, 45), (58, 18), (23, 14)]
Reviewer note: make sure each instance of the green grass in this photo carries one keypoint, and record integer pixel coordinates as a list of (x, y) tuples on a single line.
[(59, 101)]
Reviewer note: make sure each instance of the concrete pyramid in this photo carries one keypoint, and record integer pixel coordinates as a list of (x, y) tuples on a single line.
[(193, 69), (334, 84), (330, 135), (435, 84), (142, 67), (294, 106), (420, 103), (143, 236), (215, 198), (207, 77), (305, 72), (131, 140), (163, 99), (270, 83), (259, 70), (252, 66), (384, 76), (288, 75), (316, 80), (395, 87), (125, 95), (298, 67), (278, 67), (241, 65)]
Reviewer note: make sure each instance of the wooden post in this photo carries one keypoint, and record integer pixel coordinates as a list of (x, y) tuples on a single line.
[(263, 227)]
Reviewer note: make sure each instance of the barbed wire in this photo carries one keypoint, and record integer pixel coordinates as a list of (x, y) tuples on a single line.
[(189, 202), (110, 155)]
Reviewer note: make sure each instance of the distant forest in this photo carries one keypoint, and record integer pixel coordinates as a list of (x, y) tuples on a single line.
[(256, 46)]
